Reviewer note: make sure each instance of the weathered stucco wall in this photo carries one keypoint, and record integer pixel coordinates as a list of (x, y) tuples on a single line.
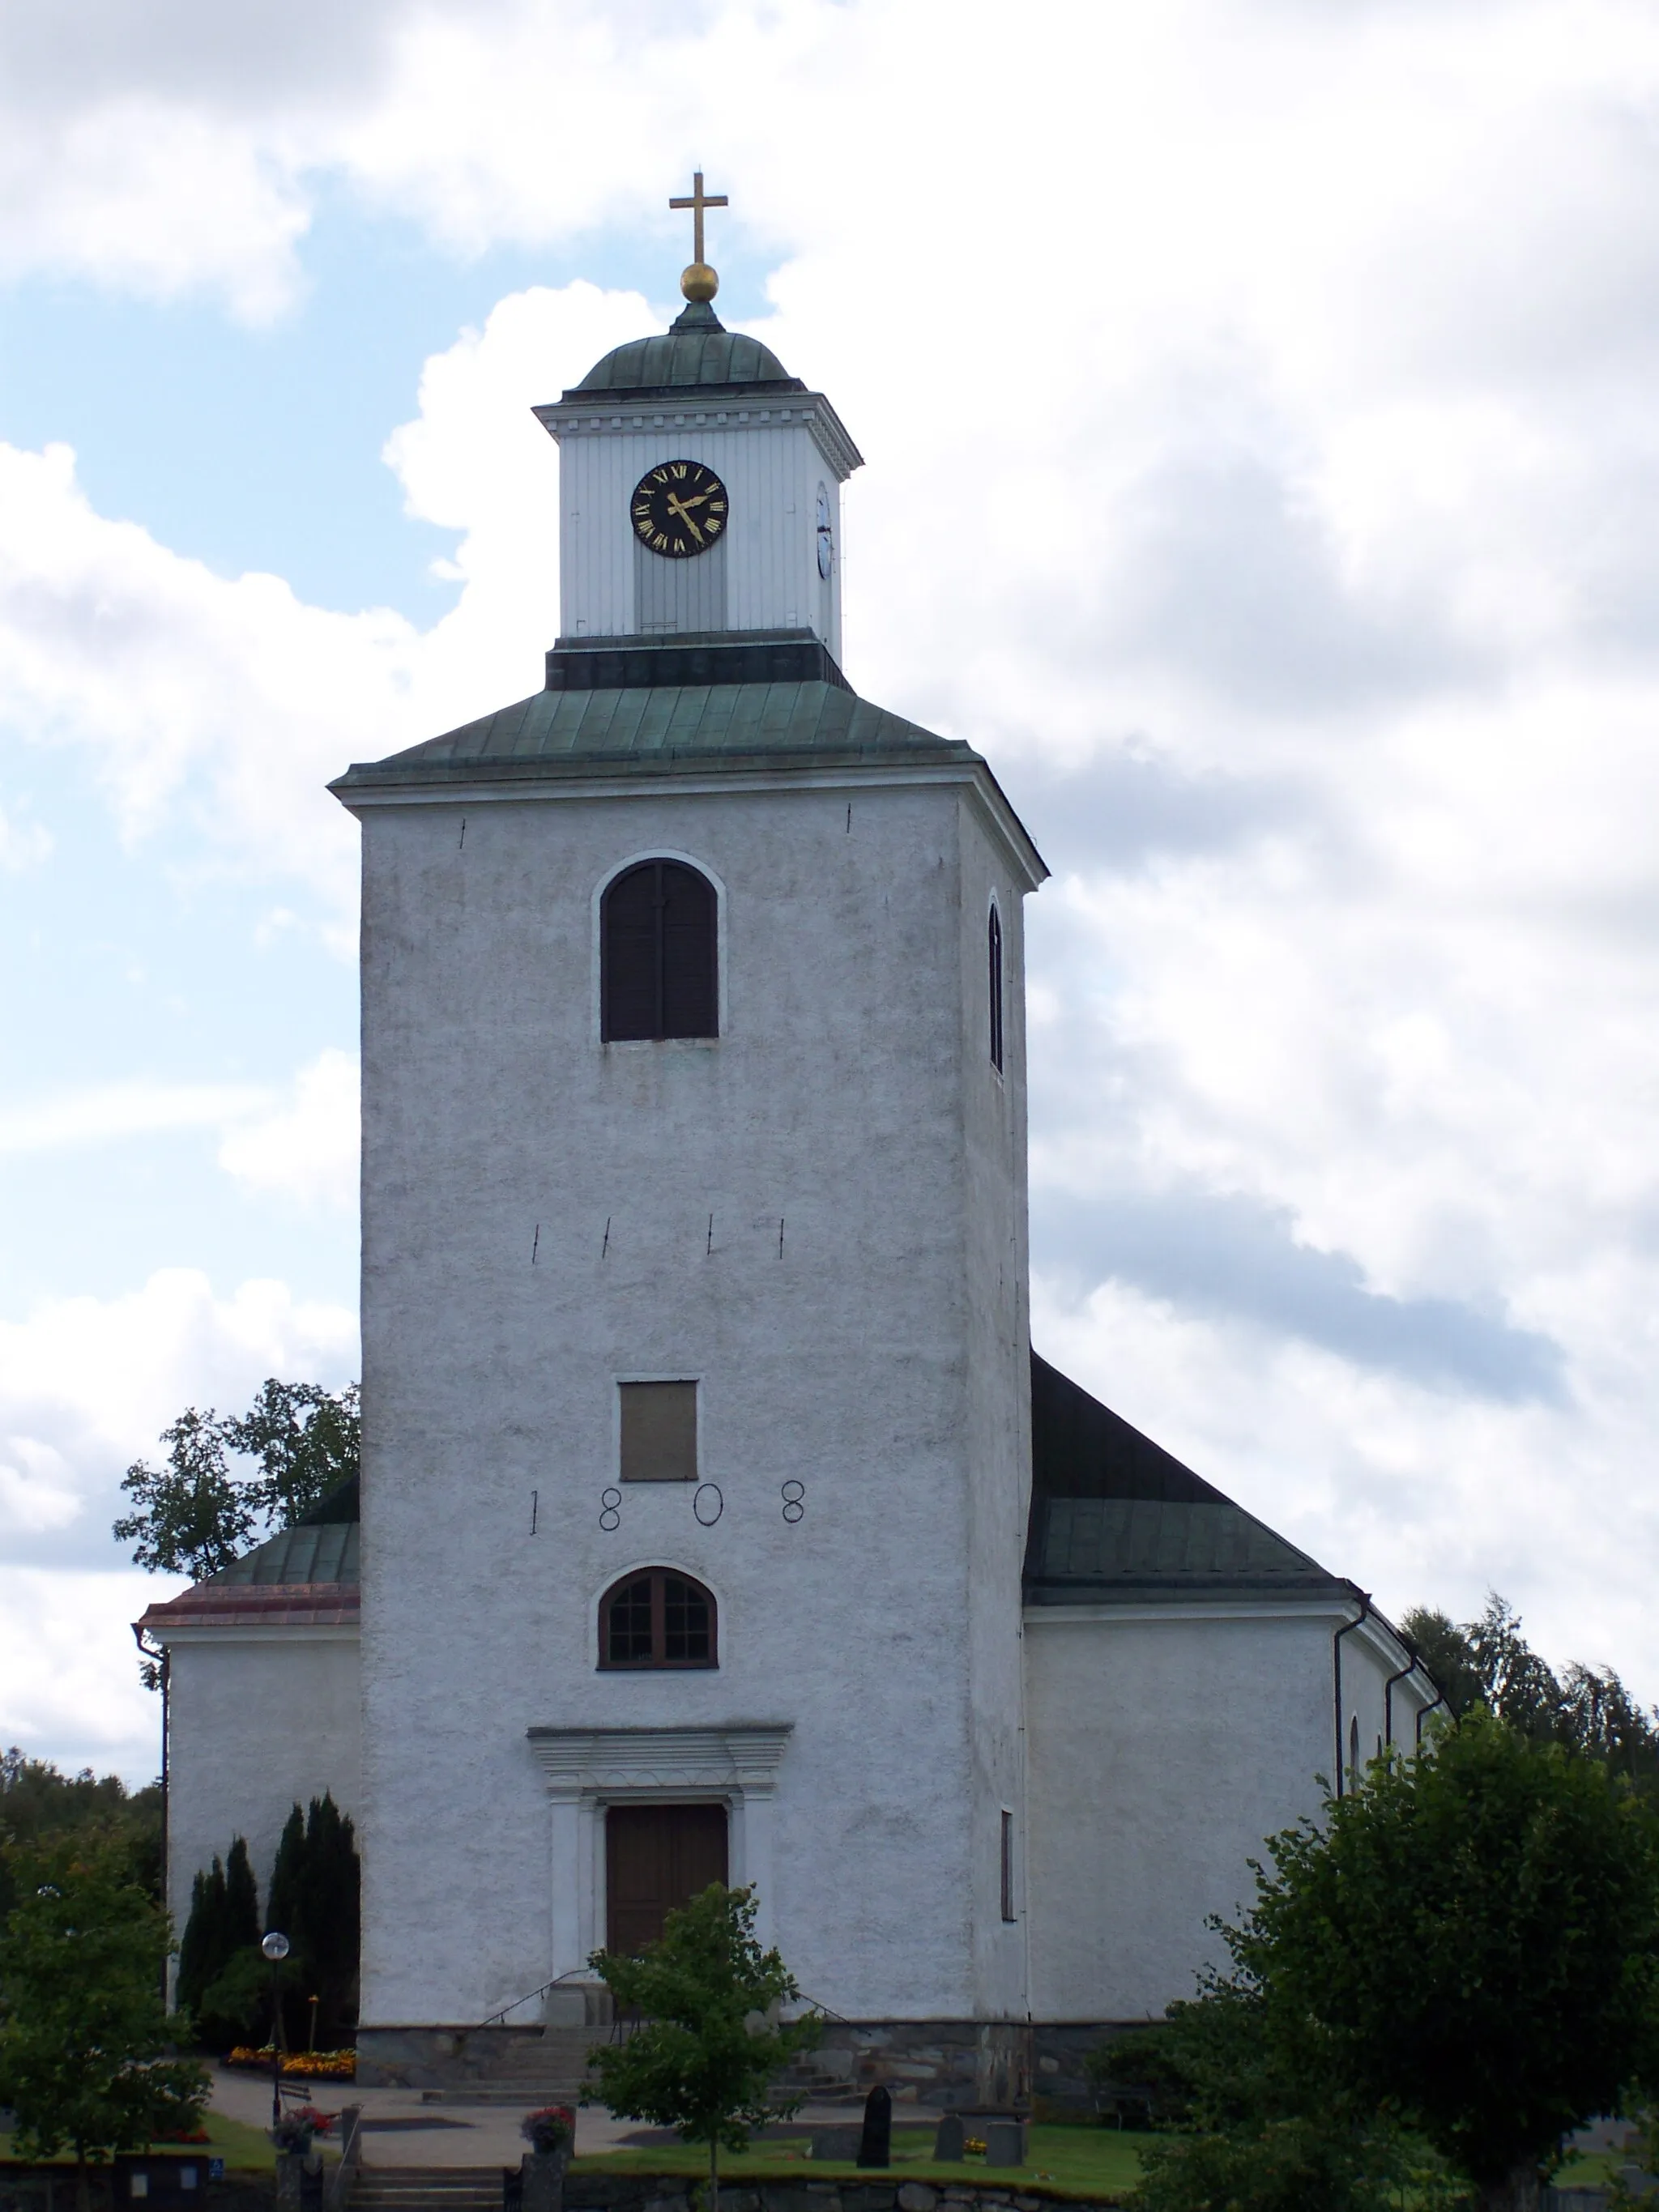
[(1163, 1747), (782, 1214), (258, 1724)]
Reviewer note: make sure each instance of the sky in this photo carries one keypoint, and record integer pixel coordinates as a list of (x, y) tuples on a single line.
[(1263, 470)]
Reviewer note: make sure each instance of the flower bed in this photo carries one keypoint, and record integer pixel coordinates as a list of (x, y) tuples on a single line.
[(303, 2065)]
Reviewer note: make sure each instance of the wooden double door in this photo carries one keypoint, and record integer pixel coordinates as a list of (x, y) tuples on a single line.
[(657, 1857)]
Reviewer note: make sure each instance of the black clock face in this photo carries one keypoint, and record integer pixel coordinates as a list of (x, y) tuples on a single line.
[(679, 509)]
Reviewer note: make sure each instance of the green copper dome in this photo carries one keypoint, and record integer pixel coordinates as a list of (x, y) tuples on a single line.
[(699, 350)]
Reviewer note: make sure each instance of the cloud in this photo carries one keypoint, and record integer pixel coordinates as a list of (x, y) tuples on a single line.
[(23, 845), (86, 1385), (1237, 1259), (307, 1149), (69, 1670), (1264, 477), (108, 1111)]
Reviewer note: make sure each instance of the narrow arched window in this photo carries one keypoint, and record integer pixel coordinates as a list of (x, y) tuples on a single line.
[(656, 1618), (993, 950), (658, 966)]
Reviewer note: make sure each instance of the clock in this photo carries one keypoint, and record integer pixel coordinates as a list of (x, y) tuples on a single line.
[(826, 536), (679, 509)]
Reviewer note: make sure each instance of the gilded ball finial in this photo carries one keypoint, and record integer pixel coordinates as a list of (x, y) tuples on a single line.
[(699, 282)]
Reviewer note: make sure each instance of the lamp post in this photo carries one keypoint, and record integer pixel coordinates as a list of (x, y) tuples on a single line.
[(274, 1947)]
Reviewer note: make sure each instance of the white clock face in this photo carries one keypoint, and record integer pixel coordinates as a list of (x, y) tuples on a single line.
[(826, 536)]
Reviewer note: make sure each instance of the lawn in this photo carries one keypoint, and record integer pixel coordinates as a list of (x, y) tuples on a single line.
[(1066, 2161), (244, 2149)]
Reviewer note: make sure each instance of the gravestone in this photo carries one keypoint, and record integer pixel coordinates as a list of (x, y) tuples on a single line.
[(837, 2142), (1005, 2143), (876, 2144), (947, 2143)]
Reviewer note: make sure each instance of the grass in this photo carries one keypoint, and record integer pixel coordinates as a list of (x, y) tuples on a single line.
[(1066, 2161), (244, 2149)]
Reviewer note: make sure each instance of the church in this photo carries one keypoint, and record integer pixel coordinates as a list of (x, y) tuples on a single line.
[(718, 1518)]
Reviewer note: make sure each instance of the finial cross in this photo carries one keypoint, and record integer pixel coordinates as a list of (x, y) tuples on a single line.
[(698, 201)]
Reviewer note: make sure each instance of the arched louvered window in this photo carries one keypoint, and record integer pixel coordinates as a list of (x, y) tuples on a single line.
[(994, 949), (656, 1618), (657, 961)]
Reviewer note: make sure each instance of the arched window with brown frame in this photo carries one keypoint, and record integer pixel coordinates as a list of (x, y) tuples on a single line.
[(657, 1617), (658, 954)]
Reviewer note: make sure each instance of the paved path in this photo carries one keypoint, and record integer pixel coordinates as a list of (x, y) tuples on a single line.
[(401, 2130)]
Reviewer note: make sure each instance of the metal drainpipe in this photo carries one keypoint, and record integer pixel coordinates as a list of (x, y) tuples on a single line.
[(1347, 1629), (162, 1656), (1410, 1668), (1424, 1715)]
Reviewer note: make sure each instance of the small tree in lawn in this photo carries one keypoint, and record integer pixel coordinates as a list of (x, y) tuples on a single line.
[(1467, 1946), (710, 2047), (84, 2039)]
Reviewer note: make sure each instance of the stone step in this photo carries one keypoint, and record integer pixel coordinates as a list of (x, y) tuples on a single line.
[(527, 2095), (427, 2188)]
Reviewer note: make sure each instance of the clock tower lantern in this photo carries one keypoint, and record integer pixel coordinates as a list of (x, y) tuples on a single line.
[(699, 489)]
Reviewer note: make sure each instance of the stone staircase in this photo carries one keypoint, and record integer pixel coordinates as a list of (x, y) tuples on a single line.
[(548, 2068), (427, 2188)]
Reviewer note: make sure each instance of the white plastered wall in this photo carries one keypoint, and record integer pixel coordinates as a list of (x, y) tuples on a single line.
[(259, 1722), (495, 1127), (1165, 1745)]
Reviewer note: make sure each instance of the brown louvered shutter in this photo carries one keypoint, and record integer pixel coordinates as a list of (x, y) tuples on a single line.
[(690, 1007), (658, 975), (629, 936)]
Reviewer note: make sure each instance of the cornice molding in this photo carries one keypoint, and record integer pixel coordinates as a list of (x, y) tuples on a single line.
[(579, 1762), (611, 414)]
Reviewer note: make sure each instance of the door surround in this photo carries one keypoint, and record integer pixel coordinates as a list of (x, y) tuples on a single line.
[(585, 1769)]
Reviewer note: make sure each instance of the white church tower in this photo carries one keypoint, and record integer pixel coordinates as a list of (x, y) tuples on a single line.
[(696, 1376)]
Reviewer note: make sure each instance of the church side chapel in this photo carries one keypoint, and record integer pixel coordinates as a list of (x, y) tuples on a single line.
[(718, 1520)]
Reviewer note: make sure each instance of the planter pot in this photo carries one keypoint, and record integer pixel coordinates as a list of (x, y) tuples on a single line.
[(544, 2179)]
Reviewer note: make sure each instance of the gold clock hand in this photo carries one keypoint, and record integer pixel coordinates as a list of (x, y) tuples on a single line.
[(689, 520)]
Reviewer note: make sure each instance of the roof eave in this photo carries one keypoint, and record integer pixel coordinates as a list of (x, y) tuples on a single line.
[(633, 405)]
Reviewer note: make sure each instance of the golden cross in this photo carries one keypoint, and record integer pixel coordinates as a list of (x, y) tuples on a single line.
[(698, 201)]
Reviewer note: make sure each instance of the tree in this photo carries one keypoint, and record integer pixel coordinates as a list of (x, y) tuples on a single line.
[(1488, 1661), (37, 1801), (197, 1514), (710, 2046), (314, 1897), (222, 1927), (192, 1517), (1467, 1946), (307, 1441), (83, 2033)]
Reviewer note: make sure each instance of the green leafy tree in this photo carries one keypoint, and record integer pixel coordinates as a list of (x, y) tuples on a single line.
[(190, 1517), (710, 2047), (305, 1441), (1488, 1661), (197, 1513), (1467, 1948), (39, 1802), (84, 2039)]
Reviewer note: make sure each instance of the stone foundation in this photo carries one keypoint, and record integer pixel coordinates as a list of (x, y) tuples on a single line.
[(944, 2064), (658, 2193), (443, 2057)]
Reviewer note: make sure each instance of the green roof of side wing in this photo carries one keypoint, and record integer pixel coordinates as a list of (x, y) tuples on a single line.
[(697, 352), (1116, 1519), (310, 1552), (662, 728)]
